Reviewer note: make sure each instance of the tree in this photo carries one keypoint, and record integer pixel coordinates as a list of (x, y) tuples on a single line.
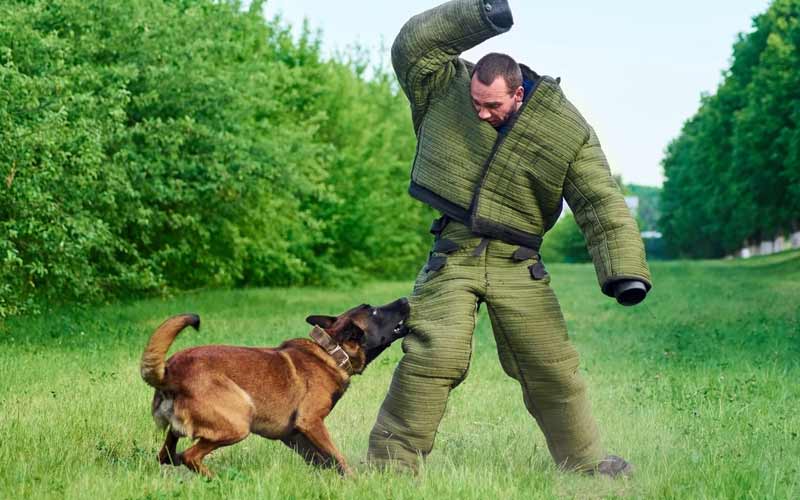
[(732, 173)]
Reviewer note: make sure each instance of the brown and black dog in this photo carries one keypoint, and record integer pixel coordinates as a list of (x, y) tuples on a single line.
[(219, 394)]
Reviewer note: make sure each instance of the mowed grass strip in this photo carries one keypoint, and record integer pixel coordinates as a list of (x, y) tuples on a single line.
[(698, 387)]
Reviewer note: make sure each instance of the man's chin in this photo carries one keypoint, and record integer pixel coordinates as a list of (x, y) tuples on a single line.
[(497, 123)]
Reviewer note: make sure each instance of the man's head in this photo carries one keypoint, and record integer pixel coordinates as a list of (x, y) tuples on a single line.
[(496, 88)]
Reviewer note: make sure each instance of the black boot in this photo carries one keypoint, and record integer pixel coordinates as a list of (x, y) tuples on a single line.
[(613, 466)]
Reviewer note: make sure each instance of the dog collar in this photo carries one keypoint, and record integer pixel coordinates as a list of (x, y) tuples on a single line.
[(325, 341)]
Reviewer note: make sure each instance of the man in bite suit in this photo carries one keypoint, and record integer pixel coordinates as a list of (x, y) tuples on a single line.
[(499, 149)]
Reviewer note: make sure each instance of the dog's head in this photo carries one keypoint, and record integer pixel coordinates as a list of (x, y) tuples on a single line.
[(365, 331)]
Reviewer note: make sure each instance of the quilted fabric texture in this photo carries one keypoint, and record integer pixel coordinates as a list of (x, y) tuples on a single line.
[(510, 187), (532, 344)]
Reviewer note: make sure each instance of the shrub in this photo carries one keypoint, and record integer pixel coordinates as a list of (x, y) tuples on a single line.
[(149, 145)]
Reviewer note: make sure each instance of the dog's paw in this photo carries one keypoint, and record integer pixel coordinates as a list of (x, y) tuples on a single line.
[(177, 473), (165, 459)]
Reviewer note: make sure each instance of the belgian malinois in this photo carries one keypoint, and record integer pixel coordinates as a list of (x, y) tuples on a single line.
[(219, 394)]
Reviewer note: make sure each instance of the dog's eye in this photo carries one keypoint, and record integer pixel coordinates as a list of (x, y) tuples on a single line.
[(374, 312)]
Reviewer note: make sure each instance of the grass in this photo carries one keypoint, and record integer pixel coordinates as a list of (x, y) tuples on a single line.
[(697, 386)]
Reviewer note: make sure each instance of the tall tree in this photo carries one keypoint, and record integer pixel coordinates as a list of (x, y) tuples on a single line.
[(732, 174)]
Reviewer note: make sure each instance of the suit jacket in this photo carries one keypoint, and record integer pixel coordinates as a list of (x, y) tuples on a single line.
[(508, 186)]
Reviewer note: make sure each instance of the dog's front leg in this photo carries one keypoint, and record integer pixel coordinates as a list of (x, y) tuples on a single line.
[(193, 456), (168, 454), (318, 435), (300, 444)]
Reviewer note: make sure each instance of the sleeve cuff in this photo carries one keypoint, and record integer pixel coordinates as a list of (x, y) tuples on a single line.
[(629, 292)]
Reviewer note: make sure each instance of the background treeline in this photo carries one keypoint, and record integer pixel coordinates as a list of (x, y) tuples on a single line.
[(733, 175), (148, 145), (565, 242)]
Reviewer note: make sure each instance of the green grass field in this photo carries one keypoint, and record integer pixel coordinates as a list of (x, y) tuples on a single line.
[(699, 387)]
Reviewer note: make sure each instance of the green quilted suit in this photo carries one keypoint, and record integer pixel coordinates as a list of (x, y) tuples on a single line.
[(499, 194)]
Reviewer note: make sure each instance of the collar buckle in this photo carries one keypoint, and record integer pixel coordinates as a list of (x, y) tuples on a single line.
[(324, 340)]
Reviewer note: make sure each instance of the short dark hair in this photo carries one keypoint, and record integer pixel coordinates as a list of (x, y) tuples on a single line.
[(495, 64)]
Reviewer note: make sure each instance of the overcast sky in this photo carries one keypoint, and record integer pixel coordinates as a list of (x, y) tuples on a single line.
[(635, 69)]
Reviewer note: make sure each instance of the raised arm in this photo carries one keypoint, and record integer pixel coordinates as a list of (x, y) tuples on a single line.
[(426, 51), (612, 235)]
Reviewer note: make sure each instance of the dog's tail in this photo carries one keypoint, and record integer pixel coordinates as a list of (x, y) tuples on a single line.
[(152, 366)]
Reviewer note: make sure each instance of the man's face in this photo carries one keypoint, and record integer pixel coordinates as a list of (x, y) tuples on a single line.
[(495, 103)]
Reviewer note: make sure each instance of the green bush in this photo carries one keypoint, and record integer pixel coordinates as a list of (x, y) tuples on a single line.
[(565, 242), (148, 145)]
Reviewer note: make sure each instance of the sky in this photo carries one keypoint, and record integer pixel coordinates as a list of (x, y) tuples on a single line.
[(635, 69)]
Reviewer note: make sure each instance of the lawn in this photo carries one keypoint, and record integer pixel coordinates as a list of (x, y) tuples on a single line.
[(698, 387)]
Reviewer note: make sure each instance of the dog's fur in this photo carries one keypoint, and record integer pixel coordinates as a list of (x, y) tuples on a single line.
[(219, 394)]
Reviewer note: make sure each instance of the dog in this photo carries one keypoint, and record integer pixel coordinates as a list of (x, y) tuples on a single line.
[(219, 394)]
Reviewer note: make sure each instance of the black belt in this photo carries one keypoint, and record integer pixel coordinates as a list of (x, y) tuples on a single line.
[(445, 246)]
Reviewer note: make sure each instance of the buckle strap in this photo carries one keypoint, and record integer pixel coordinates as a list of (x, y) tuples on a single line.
[(524, 253), (537, 270), (444, 245), (481, 247), (324, 340), (439, 224)]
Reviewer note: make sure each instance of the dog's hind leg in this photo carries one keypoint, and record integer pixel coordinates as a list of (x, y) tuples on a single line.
[(193, 456), (318, 435), (168, 454), (307, 450)]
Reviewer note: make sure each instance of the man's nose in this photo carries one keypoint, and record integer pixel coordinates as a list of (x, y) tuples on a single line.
[(484, 114)]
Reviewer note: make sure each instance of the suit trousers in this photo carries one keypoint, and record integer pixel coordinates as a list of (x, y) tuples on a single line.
[(532, 345)]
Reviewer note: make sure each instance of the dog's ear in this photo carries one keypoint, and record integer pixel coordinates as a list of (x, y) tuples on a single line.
[(360, 322), (355, 333), (324, 322), (358, 328)]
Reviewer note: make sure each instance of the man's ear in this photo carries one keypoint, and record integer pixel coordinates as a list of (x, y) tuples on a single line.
[(519, 94), (324, 322)]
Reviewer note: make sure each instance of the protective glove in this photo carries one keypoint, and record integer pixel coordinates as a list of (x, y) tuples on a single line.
[(498, 13), (629, 292)]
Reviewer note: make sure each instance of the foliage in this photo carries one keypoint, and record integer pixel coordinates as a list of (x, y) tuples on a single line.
[(649, 210), (565, 242), (149, 145), (733, 175)]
